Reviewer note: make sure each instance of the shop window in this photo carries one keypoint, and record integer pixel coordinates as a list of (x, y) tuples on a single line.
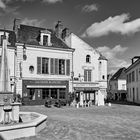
[(62, 93), (32, 94), (88, 59), (45, 93), (54, 93), (61, 66), (87, 75)]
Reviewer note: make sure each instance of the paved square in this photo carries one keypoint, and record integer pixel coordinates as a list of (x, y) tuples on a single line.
[(118, 122)]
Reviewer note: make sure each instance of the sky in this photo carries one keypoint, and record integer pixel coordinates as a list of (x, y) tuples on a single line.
[(109, 26)]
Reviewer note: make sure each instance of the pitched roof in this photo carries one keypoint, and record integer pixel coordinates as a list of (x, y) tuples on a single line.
[(120, 74), (135, 63), (31, 35), (102, 57)]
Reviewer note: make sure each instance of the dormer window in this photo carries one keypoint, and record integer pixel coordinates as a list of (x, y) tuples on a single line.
[(88, 59), (45, 40)]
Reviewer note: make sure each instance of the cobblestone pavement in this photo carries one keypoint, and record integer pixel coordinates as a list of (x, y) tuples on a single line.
[(118, 122)]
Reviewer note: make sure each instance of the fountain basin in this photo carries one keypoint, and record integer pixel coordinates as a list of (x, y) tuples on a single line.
[(32, 124)]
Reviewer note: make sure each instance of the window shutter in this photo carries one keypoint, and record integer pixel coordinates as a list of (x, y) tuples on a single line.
[(38, 65), (56, 66), (89, 75), (52, 65), (67, 67), (85, 75)]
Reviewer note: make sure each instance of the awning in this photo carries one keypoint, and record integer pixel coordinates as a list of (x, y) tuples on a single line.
[(46, 86)]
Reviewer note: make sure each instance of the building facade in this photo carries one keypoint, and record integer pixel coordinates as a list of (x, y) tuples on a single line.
[(89, 70), (117, 85), (133, 80), (52, 63), (40, 64)]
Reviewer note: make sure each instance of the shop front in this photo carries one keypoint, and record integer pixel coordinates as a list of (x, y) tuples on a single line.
[(37, 91), (86, 92)]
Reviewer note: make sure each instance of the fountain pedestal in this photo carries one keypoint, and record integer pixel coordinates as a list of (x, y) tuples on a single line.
[(14, 112), (6, 100)]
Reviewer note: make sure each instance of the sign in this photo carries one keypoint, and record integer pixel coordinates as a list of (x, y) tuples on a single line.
[(86, 85)]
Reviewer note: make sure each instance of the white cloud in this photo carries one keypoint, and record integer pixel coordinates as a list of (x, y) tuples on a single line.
[(115, 24), (51, 1), (113, 56), (33, 22), (2, 4), (90, 8)]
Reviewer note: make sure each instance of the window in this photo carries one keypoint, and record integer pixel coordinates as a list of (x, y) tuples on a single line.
[(45, 93), (67, 67), (103, 77), (137, 93), (32, 94), (88, 59), (45, 40), (87, 75), (133, 76), (62, 93), (136, 74), (42, 65), (129, 77), (45, 66), (123, 86), (53, 66), (61, 66)]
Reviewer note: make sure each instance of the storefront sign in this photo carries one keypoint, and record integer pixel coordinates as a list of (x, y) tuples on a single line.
[(44, 82), (82, 85)]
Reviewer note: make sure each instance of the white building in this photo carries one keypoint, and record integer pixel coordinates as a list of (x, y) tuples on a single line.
[(52, 63), (117, 85), (89, 70), (40, 64), (133, 80)]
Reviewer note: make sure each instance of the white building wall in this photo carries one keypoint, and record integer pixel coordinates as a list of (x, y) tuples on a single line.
[(32, 54), (135, 85), (121, 84), (81, 50)]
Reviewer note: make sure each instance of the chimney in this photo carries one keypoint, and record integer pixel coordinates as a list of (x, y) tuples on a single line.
[(58, 29), (16, 26), (65, 33), (135, 59)]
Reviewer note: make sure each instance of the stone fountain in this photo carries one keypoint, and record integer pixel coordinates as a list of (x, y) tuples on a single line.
[(13, 123)]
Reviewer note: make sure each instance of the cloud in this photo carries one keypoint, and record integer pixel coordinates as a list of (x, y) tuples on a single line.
[(33, 22), (52, 1), (90, 8), (114, 56), (2, 4), (115, 24)]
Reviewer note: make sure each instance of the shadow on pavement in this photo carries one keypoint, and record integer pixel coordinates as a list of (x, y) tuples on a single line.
[(124, 103)]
